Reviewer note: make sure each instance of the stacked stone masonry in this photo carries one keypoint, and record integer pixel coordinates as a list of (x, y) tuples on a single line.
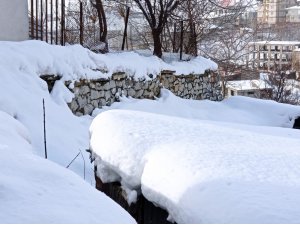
[(91, 94)]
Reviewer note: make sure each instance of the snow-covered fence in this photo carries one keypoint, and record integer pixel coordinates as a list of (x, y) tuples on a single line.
[(91, 94)]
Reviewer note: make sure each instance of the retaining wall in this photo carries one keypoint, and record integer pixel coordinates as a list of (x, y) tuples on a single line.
[(91, 94)]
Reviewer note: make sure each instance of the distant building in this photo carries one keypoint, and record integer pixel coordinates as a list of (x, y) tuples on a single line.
[(249, 88), (293, 14), (274, 11), (13, 20), (266, 55), (296, 62)]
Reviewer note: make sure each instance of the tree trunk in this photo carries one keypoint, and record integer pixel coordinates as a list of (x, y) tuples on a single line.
[(157, 43), (102, 25)]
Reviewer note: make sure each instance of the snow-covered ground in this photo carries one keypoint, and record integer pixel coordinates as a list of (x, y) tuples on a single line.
[(75, 62), (236, 161), (22, 91), (32, 189), (36, 190)]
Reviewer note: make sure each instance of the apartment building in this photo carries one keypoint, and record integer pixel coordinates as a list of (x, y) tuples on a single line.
[(293, 14), (266, 55), (274, 11)]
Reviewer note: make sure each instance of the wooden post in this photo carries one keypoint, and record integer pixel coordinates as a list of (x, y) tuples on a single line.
[(181, 40), (45, 141), (125, 30), (81, 23)]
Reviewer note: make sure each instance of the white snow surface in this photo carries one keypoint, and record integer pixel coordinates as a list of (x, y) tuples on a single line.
[(75, 62), (22, 91), (236, 161), (32, 189), (36, 190)]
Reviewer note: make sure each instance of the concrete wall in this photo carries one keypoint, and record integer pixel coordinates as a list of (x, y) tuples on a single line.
[(14, 24)]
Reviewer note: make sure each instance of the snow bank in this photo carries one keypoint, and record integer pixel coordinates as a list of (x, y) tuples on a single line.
[(35, 190), (201, 160), (75, 62), (22, 91), (237, 109), (21, 95)]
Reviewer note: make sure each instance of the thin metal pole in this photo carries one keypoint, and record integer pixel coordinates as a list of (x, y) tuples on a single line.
[(32, 20), (174, 38), (125, 30), (36, 20), (42, 27), (45, 141), (47, 21), (83, 164), (62, 22), (51, 29), (181, 40), (195, 39), (56, 22), (81, 23)]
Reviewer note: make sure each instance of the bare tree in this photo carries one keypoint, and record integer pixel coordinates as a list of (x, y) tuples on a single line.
[(285, 89), (157, 13), (98, 5)]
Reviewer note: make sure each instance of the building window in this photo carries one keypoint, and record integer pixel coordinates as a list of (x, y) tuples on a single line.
[(232, 93)]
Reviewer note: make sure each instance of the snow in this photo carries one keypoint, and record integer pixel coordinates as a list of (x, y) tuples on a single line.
[(259, 162), (75, 62), (21, 96), (36, 190), (22, 91), (236, 161), (234, 110), (248, 84), (293, 7), (32, 189), (276, 43)]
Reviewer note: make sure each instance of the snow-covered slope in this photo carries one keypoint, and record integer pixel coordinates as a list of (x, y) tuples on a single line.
[(35, 190), (22, 91), (205, 162), (75, 62), (238, 109)]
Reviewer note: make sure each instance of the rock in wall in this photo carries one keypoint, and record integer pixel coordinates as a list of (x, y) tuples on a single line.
[(91, 94)]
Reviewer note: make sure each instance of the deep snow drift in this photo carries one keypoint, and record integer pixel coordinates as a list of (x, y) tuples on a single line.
[(205, 162), (22, 91), (35, 190)]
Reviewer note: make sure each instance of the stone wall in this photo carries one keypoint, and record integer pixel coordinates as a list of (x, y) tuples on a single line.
[(91, 94)]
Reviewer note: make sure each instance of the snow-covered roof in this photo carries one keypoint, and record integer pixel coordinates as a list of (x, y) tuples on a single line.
[(275, 43), (242, 85), (293, 8), (202, 161)]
